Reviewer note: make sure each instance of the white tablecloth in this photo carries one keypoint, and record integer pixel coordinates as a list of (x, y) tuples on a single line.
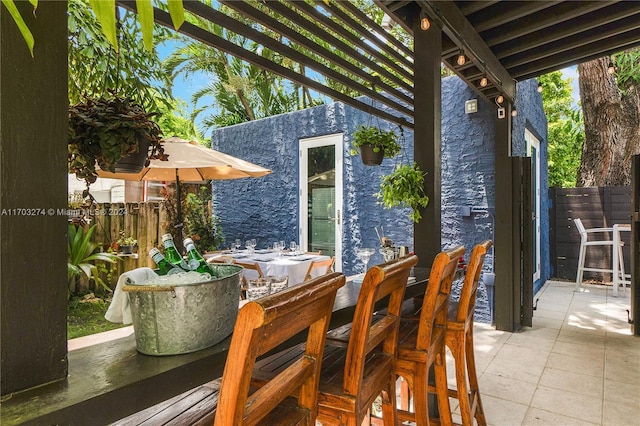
[(295, 267)]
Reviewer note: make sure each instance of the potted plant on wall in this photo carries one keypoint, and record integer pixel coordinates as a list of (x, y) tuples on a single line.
[(126, 243), (404, 188), (374, 144), (112, 133)]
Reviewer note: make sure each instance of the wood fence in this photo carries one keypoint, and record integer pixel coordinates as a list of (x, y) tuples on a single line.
[(144, 221), (597, 208)]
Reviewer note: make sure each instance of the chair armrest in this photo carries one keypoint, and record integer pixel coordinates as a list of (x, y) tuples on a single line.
[(590, 230)]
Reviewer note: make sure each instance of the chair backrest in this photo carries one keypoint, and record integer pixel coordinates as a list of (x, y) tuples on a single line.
[(388, 279), (467, 302), (250, 266), (436, 299), (323, 265), (262, 325), (581, 229)]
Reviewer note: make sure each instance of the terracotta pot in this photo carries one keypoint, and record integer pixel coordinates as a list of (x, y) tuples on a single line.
[(134, 163), (370, 158)]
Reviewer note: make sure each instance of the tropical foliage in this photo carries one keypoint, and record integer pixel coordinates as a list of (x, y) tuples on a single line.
[(565, 129), (95, 67), (82, 257), (201, 224)]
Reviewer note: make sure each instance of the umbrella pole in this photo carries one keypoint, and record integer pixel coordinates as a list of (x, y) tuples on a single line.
[(178, 225)]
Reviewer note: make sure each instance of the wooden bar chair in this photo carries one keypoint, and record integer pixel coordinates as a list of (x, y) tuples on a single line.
[(261, 326), (355, 374), (422, 343), (459, 340), (322, 265)]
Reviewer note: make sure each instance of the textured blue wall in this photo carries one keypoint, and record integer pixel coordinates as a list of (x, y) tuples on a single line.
[(267, 208)]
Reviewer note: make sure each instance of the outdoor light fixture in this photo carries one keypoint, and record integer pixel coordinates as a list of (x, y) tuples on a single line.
[(500, 99), (425, 24), (471, 106), (539, 87), (484, 81), (461, 59), (611, 69), (514, 112)]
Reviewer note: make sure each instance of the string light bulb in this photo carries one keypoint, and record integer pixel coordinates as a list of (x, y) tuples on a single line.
[(461, 59), (539, 87), (514, 112), (500, 99), (425, 24), (484, 81), (611, 69)]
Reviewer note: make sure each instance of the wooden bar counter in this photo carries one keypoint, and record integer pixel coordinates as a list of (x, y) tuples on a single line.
[(111, 380)]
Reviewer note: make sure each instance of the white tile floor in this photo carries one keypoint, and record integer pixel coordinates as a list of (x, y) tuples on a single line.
[(577, 365)]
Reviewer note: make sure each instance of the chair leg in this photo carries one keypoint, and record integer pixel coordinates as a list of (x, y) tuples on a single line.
[(457, 347), (580, 266), (420, 395), (476, 400), (442, 388), (622, 278)]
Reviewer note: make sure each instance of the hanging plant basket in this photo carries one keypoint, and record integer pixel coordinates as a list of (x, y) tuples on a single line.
[(134, 163), (374, 144), (112, 133), (404, 187), (369, 155)]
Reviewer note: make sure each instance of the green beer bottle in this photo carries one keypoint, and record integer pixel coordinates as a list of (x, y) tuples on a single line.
[(171, 253), (195, 259), (164, 267)]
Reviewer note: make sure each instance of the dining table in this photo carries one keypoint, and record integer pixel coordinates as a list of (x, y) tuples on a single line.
[(290, 264), (112, 380)]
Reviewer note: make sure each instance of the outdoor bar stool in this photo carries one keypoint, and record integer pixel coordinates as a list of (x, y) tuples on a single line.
[(262, 325), (422, 344), (585, 243), (459, 340), (355, 374)]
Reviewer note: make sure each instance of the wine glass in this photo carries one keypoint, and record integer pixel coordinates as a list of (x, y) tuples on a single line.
[(364, 254), (293, 246), (238, 244)]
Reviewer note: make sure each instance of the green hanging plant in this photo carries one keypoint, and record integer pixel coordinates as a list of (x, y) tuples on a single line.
[(380, 140), (102, 131), (404, 188)]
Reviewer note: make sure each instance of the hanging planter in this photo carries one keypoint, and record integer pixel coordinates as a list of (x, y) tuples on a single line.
[(374, 144), (134, 163), (404, 188), (369, 156), (107, 130)]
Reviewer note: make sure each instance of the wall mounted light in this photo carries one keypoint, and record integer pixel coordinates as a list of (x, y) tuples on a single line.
[(425, 24), (539, 87), (461, 59), (471, 106), (484, 81)]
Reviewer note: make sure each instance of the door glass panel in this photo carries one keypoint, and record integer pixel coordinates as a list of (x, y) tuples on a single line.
[(321, 196)]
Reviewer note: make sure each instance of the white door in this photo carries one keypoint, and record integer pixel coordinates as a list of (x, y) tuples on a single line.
[(321, 195), (533, 151)]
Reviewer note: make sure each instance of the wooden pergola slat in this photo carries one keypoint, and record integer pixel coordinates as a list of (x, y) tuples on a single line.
[(204, 11)]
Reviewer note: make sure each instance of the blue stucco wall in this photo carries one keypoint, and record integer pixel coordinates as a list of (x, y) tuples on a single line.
[(267, 209)]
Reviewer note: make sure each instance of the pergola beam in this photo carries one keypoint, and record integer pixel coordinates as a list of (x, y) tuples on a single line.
[(456, 26), (247, 10), (217, 42), (212, 15)]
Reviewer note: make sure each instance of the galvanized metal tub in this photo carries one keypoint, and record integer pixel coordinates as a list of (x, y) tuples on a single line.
[(184, 318)]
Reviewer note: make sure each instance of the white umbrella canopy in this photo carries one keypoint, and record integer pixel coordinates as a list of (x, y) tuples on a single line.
[(190, 162)]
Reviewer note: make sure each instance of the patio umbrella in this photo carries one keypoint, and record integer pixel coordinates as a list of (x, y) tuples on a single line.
[(190, 162)]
